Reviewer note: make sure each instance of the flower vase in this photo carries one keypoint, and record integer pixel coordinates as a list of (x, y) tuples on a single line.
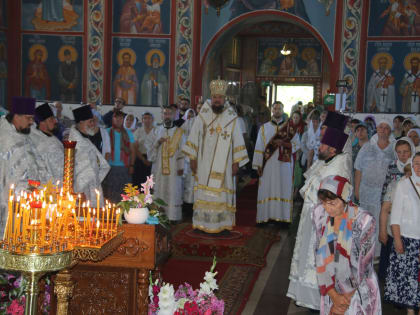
[(136, 215)]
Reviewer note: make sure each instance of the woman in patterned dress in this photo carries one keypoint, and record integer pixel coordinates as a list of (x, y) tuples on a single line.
[(344, 252)]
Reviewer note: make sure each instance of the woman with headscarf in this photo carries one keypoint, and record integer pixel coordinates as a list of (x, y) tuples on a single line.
[(414, 135), (403, 151), (370, 170), (402, 286), (130, 122), (371, 125), (344, 250), (188, 175)]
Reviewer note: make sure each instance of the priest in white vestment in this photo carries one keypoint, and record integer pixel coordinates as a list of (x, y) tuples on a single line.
[(90, 166), (168, 160), (216, 150), (332, 160), (19, 159), (274, 162), (49, 147)]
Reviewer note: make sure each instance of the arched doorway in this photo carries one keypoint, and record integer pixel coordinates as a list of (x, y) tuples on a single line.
[(235, 53)]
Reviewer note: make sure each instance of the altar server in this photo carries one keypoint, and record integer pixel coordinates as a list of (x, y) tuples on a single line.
[(90, 166), (19, 158), (168, 160), (273, 159), (48, 145)]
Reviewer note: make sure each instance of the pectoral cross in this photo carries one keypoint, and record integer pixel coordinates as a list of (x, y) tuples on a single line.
[(212, 130), (384, 94), (414, 95), (225, 135)]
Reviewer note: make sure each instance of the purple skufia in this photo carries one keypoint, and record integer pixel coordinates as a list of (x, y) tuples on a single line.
[(336, 120), (23, 105), (82, 113), (334, 138)]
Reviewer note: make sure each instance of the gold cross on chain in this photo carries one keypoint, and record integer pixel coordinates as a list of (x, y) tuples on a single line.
[(225, 135)]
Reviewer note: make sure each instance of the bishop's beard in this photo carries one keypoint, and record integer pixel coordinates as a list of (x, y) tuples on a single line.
[(217, 109), (25, 131)]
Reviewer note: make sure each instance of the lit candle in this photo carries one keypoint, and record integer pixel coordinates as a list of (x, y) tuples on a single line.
[(118, 219), (17, 228), (75, 223), (97, 230), (80, 203), (103, 219), (107, 218), (6, 233), (88, 221), (112, 217), (97, 200)]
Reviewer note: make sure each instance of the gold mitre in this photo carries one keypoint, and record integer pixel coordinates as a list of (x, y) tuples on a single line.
[(218, 87)]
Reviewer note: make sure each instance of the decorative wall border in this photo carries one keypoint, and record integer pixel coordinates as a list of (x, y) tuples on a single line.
[(95, 51), (350, 47), (183, 48)]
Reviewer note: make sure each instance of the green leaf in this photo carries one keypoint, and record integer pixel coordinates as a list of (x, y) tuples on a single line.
[(160, 202)]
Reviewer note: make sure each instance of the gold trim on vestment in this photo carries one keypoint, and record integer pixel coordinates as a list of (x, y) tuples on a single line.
[(192, 146), (238, 160), (274, 199), (258, 151), (169, 147), (190, 156), (263, 134), (203, 228), (213, 205), (277, 220), (217, 175), (239, 149), (218, 190)]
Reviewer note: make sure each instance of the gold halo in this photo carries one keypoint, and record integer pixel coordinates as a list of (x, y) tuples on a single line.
[(128, 51), (36, 47), (272, 50), (159, 52), (294, 49), (380, 55), (407, 59), (73, 53), (308, 53)]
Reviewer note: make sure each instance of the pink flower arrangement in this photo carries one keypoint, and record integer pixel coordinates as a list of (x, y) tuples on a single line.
[(185, 300)]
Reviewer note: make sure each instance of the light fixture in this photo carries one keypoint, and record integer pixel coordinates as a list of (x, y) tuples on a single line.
[(285, 51), (217, 4)]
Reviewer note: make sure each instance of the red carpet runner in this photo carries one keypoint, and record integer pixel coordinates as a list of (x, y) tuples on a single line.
[(240, 258)]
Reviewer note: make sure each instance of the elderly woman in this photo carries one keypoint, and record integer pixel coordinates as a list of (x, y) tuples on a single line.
[(403, 151), (414, 135), (402, 286), (344, 250), (370, 170)]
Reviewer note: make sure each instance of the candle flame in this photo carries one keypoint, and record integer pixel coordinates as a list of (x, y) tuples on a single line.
[(12, 186), (97, 224), (11, 198)]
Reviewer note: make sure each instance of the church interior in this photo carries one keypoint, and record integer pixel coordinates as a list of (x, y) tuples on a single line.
[(153, 53)]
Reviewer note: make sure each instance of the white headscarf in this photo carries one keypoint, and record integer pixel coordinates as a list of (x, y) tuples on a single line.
[(133, 125), (185, 117), (400, 164), (417, 130), (414, 177)]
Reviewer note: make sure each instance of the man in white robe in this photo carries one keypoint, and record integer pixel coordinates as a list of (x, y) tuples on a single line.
[(19, 159), (303, 286), (48, 145), (166, 155), (216, 149), (276, 176), (90, 166)]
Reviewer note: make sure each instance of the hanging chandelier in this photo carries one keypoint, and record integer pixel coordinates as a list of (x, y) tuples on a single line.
[(285, 51), (217, 4)]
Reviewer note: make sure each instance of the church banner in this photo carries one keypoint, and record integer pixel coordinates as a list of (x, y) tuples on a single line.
[(52, 15), (394, 18), (392, 77), (140, 70), (304, 59), (142, 17), (52, 67)]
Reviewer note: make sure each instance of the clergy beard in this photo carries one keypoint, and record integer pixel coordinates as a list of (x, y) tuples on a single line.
[(90, 131), (167, 123), (217, 109), (25, 131), (323, 156)]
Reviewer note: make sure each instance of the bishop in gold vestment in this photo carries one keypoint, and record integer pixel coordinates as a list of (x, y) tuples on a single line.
[(216, 150)]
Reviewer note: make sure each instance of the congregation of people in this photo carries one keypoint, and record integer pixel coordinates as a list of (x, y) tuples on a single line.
[(359, 182)]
